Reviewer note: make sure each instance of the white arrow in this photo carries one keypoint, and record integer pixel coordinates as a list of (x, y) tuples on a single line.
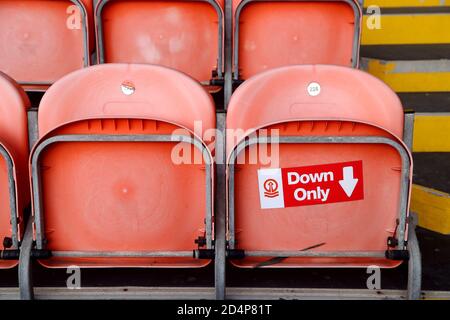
[(348, 183)]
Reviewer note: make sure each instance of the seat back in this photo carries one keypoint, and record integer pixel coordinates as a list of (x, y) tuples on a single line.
[(14, 187), (183, 35), (114, 188), (310, 177), (43, 40), (271, 33)]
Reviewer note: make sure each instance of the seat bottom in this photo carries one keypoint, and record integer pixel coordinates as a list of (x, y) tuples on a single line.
[(314, 263), (56, 262)]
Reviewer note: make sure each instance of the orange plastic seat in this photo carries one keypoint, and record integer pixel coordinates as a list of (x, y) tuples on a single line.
[(317, 117), (272, 33), (183, 35), (109, 187), (14, 187), (41, 40)]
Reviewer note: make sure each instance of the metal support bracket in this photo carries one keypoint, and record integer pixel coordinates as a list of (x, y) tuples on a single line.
[(25, 263), (415, 261)]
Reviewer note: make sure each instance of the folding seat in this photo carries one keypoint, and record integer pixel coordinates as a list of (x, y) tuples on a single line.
[(272, 33), (109, 188), (43, 40), (14, 187), (318, 174), (183, 35)]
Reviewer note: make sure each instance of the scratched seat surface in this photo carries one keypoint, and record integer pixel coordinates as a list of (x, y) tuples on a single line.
[(41, 41), (317, 197), (270, 34), (14, 141), (183, 35), (123, 196)]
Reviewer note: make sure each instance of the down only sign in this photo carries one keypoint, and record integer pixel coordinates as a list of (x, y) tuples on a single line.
[(311, 185)]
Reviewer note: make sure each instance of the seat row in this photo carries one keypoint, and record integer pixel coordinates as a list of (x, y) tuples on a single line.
[(44, 40), (124, 171)]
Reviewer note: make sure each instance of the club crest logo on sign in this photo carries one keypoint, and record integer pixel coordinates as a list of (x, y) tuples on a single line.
[(271, 188), (311, 185)]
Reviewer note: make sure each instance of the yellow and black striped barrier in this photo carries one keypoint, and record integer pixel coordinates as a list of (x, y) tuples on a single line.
[(404, 30), (407, 25)]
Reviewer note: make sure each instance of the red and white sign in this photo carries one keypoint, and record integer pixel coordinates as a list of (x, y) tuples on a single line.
[(305, 186)]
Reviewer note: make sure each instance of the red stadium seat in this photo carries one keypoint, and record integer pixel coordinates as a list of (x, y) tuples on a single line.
[(183, 35), (338, 184), (42, 40), (107, 189), (272, 33), (14, 186)]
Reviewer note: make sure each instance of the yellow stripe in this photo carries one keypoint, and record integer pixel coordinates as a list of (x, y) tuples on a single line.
[(407, 29), (432, 207), (431, 133), (406, 3), (405, 81), (417, 82)]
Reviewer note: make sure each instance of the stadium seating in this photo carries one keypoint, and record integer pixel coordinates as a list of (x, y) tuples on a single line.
[(317, 169)]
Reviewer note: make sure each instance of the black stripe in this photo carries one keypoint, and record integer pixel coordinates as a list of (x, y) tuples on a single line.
[(426, 102), (431, 170), (413, 10), (406, 52)]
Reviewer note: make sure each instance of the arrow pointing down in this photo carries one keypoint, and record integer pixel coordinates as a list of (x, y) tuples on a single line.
[(349, 182)]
